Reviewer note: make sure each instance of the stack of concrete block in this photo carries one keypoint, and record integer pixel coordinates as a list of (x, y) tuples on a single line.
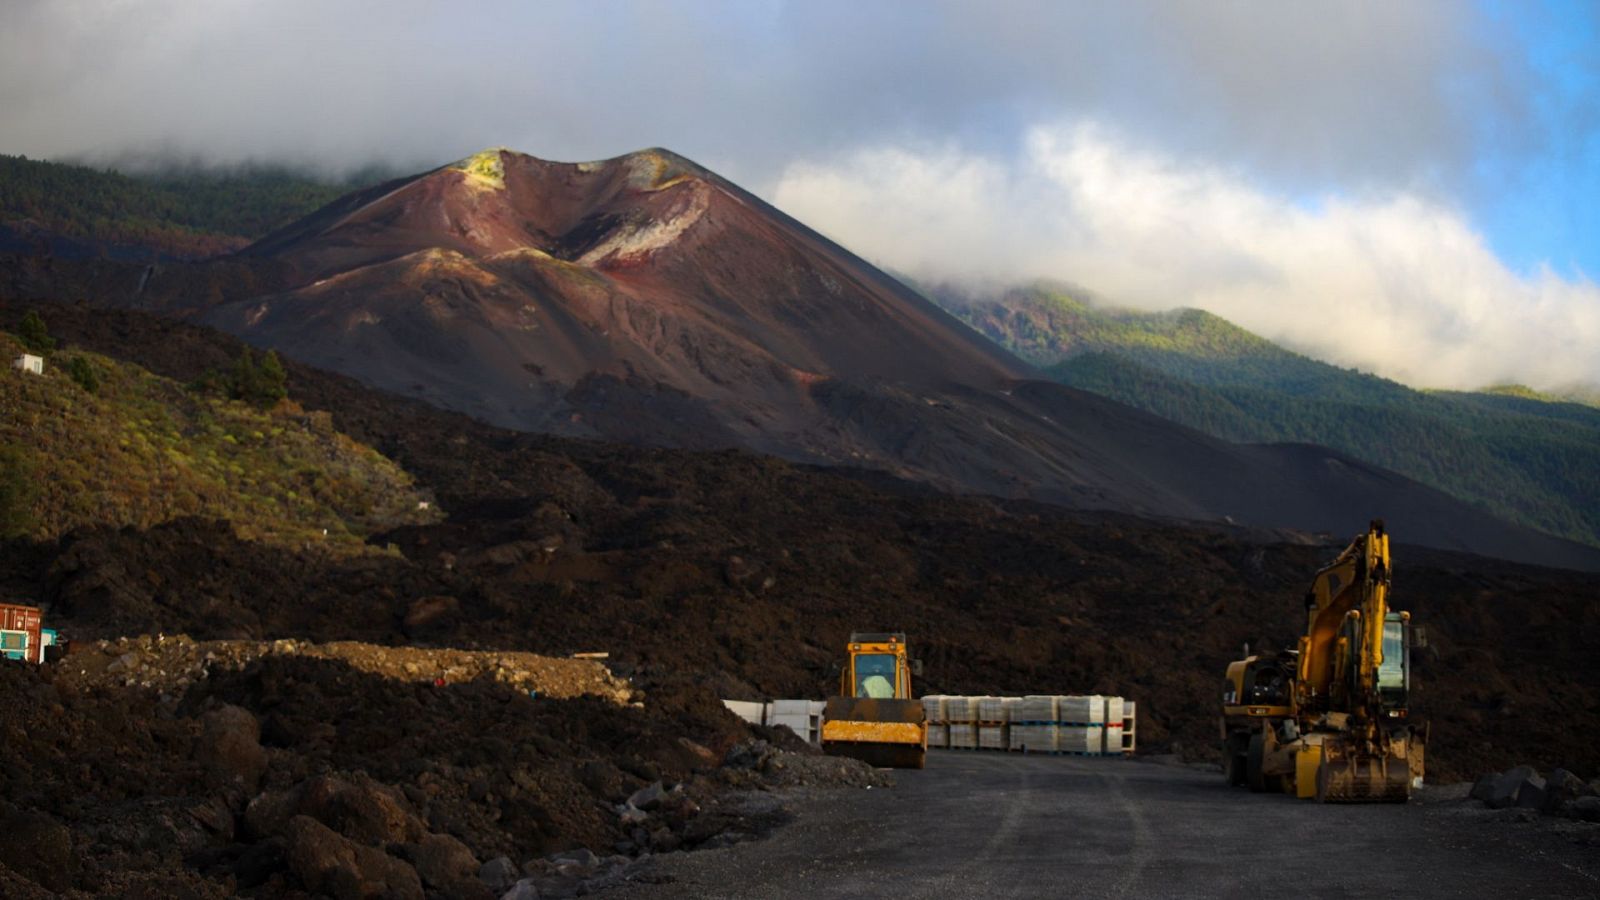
[(1082, 725), (1084, 740), (1089, 724), (1034, 737), (1036, 708), (991, 709), (1112, 745), (963, 736), (961, 709), (993, 736), (996, 714), (1083, 710)]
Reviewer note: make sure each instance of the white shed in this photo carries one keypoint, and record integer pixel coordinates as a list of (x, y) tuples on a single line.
[(27, 362)]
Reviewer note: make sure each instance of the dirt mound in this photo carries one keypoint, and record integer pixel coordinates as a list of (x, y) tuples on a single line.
[(276, 768), (171, 663)]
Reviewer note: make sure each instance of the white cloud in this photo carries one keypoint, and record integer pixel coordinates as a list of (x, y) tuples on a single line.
[(1395, 284), (1302, 92)]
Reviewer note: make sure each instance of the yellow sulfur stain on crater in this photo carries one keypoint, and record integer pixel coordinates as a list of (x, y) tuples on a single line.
[(656, 170), (485, 170)]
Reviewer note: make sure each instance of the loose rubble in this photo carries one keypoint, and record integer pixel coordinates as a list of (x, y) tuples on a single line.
[(1562, 793), (760, 764)]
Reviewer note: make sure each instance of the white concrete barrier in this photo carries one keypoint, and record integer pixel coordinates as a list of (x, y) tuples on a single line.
[(803, 717), (748, 710)]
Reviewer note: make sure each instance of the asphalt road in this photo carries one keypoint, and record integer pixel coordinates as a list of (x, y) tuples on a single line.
[(1005, 825)]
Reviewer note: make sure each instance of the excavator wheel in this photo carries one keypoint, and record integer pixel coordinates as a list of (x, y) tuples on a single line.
[(1253, 760), (1234, 761), (882, 756)]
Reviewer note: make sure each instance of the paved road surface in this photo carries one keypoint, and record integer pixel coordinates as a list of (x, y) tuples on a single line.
[(1005, 825)]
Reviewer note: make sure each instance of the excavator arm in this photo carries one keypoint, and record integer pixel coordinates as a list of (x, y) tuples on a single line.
[(1346, 608), (1345, 735)]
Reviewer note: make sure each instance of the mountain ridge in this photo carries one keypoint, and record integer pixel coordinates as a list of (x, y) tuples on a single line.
[(645, 299), (1529, 459)]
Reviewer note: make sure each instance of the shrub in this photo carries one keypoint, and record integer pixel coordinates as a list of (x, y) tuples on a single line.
[(82, 371)]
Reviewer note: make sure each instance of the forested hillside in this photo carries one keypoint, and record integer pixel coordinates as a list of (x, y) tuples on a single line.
[(1530, 457), (180, 213)]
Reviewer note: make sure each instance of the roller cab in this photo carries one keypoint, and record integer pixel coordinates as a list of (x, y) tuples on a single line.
[(874, 718)]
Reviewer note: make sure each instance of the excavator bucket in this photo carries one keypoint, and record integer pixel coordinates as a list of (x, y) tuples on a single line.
[(1353, 777), (890, 734)]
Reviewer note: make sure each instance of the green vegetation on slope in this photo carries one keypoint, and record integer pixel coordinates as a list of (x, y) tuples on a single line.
[(1521, 455), (188, 214), (140, 449)]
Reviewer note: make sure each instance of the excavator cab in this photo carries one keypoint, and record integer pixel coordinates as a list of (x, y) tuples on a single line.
[(1394, 673), (875, 718)]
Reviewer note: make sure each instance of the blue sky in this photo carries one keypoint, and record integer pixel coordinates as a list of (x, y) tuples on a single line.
[(1538, 204), (1155, 151)]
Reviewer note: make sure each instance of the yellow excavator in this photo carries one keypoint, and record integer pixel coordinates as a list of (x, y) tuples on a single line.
[(1330, 719), (874, 718)]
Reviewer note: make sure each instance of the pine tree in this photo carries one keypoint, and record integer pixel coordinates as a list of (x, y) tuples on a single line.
[(33, 334), (261, 385), (242, 385), (272, 380)]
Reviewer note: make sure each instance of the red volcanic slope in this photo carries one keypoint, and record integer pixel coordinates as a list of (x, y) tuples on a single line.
[(646, 299), (659, 268)]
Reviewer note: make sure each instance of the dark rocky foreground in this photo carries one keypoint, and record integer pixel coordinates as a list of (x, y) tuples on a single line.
[(275, 772), (704, 575)]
